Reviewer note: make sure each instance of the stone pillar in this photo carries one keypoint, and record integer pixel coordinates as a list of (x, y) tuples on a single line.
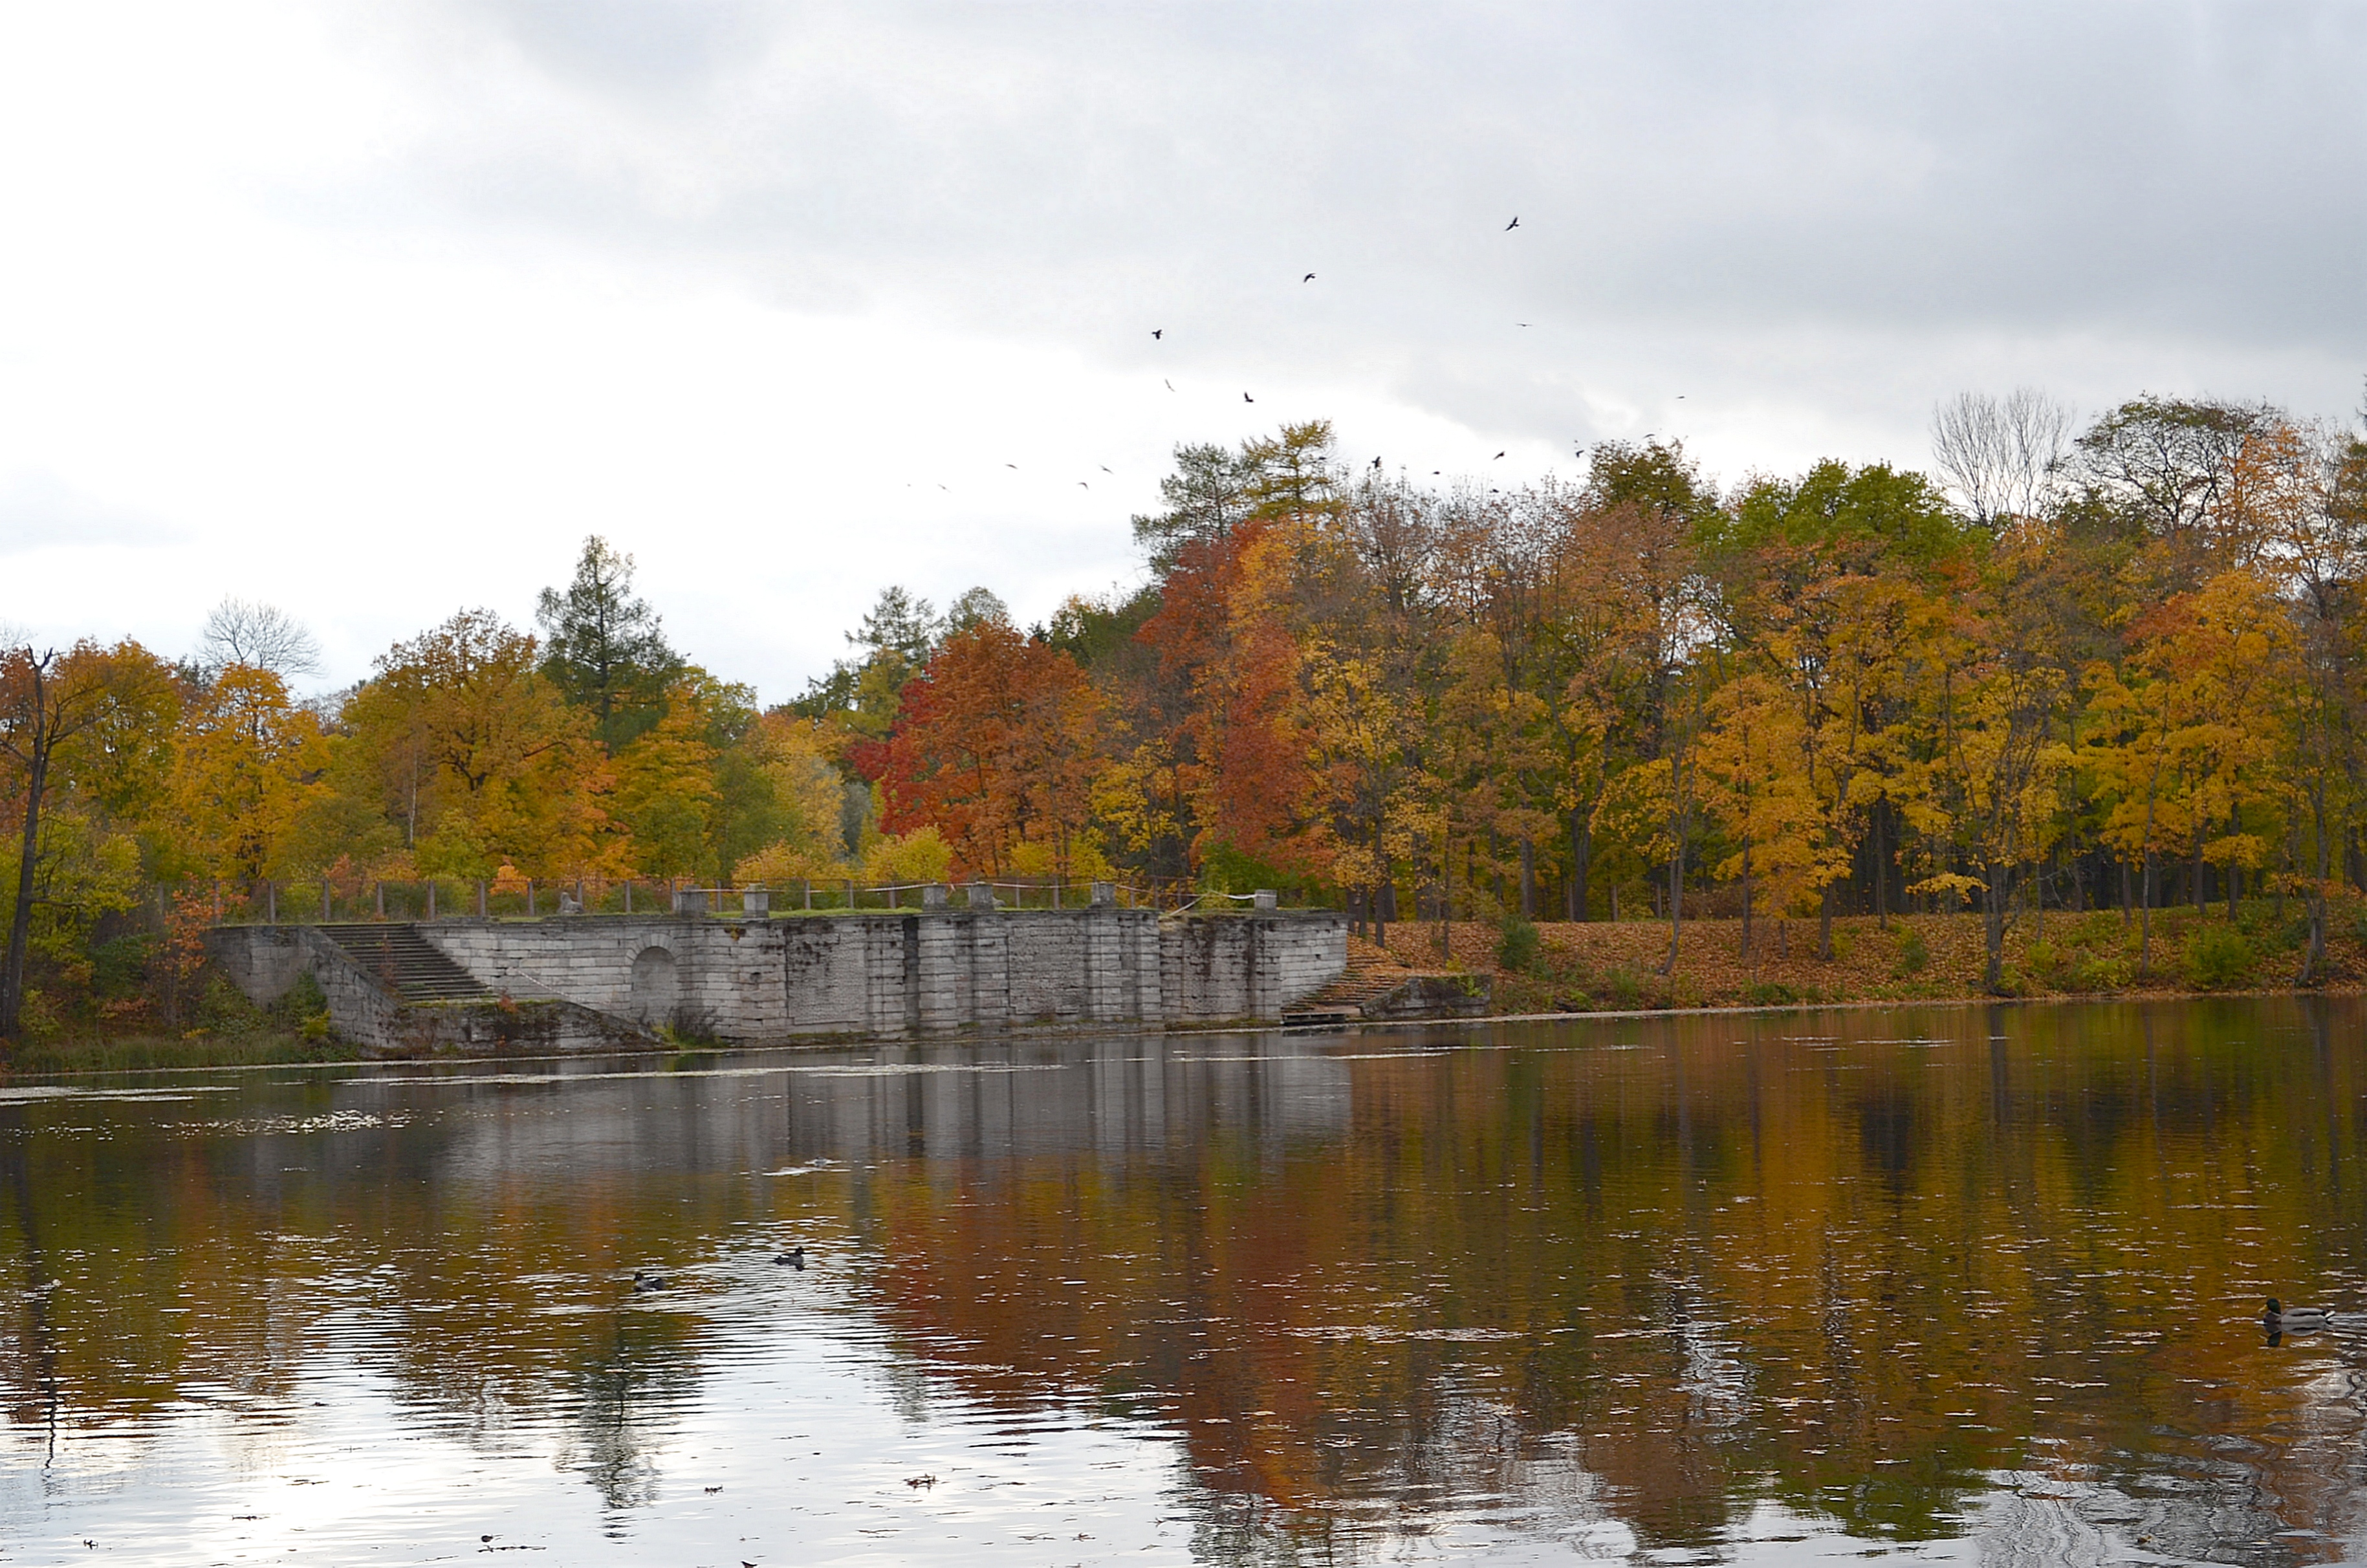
[(1105, 999), (1104, 895), (756, 901), (690, 900), (981, 895), (942, 968), (990, 973), (937, 898), (1264, 899)]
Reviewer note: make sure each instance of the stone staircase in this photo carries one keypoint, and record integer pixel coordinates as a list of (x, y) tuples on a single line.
[(1372, 975), (399, 958)]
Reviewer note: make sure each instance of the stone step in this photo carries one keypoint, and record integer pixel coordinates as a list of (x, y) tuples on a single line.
[(399, 958)]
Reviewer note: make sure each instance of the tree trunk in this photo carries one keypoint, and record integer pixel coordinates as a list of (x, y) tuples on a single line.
[(20, 919), (1881, 868), (2144, 921), (1581, 859), (1746, 897), (1994, 889), (2235, 870), (1825, 922), (1528, 878), (2317, 953)]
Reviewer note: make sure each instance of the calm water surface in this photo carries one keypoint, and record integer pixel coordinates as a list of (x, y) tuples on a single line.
[(1951, 1283)]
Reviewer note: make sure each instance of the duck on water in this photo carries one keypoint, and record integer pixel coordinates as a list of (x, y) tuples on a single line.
[(2279, 1316)]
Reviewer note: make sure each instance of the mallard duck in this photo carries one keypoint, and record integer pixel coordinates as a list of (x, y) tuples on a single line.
[(645, 1281), (2280, 1316)]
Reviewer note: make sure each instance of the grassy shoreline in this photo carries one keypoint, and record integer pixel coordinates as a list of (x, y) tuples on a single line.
[(1615, 966)]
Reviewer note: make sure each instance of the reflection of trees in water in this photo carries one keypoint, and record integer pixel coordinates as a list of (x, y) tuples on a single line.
[(1859, 1277), (1616, 1295), (625, 1404)]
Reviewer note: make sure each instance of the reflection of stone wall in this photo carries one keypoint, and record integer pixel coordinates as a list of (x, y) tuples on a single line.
[(893, 974)]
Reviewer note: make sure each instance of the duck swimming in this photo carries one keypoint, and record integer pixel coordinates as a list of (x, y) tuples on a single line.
[(645, 1281), (795, 1257), (2280, 1316)]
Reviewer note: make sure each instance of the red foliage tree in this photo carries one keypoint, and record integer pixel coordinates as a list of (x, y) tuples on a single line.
[(996, 743)]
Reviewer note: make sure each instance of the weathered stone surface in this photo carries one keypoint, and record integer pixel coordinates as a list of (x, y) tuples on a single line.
[(756, 981)]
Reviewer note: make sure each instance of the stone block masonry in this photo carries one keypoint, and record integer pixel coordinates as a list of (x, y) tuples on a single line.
[(761, 981)]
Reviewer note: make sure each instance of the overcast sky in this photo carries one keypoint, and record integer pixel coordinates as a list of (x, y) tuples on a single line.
[(375, 311)]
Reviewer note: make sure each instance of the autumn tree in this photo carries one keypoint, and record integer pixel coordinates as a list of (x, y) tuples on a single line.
[(49, 700), (248, 753), (479, 754), (996, 745)]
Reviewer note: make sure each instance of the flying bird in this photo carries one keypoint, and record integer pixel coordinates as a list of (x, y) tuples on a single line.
[(1170, 385), (1498, 454), (1247, 399), (1013, 467), (1083, 485), (1376, 462), (1105, 468), (1159, 332), (1309, 278), (1512, 225), (1520, 323)]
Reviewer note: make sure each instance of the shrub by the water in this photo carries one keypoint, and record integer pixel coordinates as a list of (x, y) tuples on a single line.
[(2217, 956), (1517, 949), (1912, 953)]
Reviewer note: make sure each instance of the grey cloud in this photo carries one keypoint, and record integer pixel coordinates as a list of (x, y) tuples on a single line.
[(2186, 186)]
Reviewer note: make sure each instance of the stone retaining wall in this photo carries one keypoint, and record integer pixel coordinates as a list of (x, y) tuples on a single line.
[(758, 980)]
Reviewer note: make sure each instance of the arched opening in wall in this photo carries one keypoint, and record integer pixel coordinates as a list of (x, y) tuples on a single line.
[(656, 988)]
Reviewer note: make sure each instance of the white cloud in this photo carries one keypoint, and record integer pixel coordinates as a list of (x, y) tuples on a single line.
[(374, 310)]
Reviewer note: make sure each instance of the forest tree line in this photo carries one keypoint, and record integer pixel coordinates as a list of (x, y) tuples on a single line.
[(2119, 666)]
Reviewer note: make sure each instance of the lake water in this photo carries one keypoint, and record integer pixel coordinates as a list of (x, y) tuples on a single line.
[(1969, 1283)]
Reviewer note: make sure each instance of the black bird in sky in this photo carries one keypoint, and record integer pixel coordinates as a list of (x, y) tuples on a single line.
[(1083, 485), (1376, 462), (1105, 468), (1498, 454), (1159, 332), (1169, 385), (1309, 278), (1247, 399), (1013, 467), (1512, 225)]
